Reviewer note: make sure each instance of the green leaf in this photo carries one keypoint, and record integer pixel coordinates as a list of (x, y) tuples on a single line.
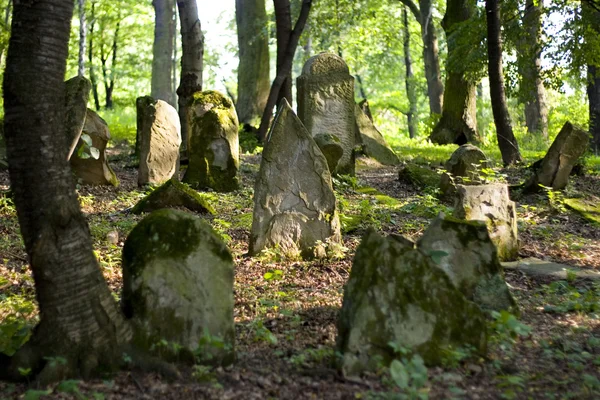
[(86, 139), (36, 394), (95, 153), (399, 374), (437, 255)]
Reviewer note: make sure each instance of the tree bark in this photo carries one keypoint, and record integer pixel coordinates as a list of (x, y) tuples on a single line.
[(459, 119), (109, 77), (93, 77), (285, 71), (283, 22), (6, 27), (79, 319), (504, 133), (253, 70), (532, 92), (192, 45), (409, 79), (162, 52), (593, 91)]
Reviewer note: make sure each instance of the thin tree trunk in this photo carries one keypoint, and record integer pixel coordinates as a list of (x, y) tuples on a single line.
[(361, 87), (285, 71), (162, 51), (93, 77), (593, 91), (192, 44), (409, 79), (175, 55), (506, 139), (7, 13), (109, 84), (283, 21), (79, 319), (82, 34), (253, 70)]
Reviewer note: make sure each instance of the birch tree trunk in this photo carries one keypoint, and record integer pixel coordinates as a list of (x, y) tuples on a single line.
[(409, 79), (82, 38)]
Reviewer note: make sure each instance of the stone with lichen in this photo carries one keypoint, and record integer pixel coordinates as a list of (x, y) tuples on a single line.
[(213, 148), (77, 92), (174, 194), (294, 202), (396, 296), (178, 288), (464, 167)]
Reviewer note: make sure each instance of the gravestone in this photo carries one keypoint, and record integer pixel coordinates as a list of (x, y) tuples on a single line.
[(326, 104), (77, 92), (213, 148), (159, 138), (491, 204), (396, 296), (464, 168), (294, 202), (555, 168), (178, 287), (464, 250), (374, 145), (89, 163), (173, 194)]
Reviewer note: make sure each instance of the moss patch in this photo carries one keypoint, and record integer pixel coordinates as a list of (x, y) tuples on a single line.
[(587, 208), (174, 194), (419, 176)]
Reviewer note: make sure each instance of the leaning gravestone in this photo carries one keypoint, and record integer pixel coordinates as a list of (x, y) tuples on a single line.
[(213, 148), (395, 296), (89, 161), (178, 286), (555, 168), (294, 203), (159, 135), (464, 167), (374, 145), (491, 204), (464, 250), (77, 92), (326, 104)]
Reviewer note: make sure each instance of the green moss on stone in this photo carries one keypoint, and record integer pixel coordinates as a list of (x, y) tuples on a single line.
[(588, 209), (174, 194), (212, 97), (419, 176)]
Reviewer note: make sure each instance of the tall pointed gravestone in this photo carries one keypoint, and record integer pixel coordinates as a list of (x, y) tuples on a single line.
[(326, 104), (294, 203)]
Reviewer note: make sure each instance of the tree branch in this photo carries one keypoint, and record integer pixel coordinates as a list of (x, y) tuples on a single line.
[(413, 8)]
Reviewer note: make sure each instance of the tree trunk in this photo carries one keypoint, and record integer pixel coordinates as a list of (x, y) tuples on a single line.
[(593, 91), (109, 85), (174, 27), (283, 21), (82, 34), (79, 319), (506, 140), (162, 52), (7, 13), (285, 71), (93, 77), (409, 79), (531, 91), (253, 70), (192, 45)]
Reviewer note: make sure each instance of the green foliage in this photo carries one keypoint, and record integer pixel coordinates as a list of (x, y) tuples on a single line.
[(565, 298), (16, 323)]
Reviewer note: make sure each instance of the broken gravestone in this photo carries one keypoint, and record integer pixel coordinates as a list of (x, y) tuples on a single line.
[(77, 92), (89, 161), (178, 288), (294, 203), (331, 148), (326, 104), (464, 250), (464, 168), (213, 148), (174, 194), (395, 296), (374, 145), (158, 138), (491, 204), (555, 168)]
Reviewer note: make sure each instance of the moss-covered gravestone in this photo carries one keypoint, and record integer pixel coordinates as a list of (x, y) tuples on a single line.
[(213, 148), (77, 92), (421, 177), (178, 288), (374, 144), (464, 167), (294, 203), (555, 168), (158, 139), (395, 296), (174, 194), (491, 204), (89, 162), (464, 250), (326, 104)]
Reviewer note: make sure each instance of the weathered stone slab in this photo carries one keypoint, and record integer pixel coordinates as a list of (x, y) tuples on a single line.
[(159, 138), (174, 194), (213, 148), (93, 168), (326, 104), (396, 295), (463, 168), (535, 267), (374, 145), (492, 205), (464, 250), (77, 92), (178, 287), (570, 144), (294, 203)]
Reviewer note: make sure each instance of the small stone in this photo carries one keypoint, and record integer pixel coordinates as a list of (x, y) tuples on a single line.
[(112, 237)]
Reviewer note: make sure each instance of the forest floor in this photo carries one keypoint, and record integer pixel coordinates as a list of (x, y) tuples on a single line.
[(285, 311)]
